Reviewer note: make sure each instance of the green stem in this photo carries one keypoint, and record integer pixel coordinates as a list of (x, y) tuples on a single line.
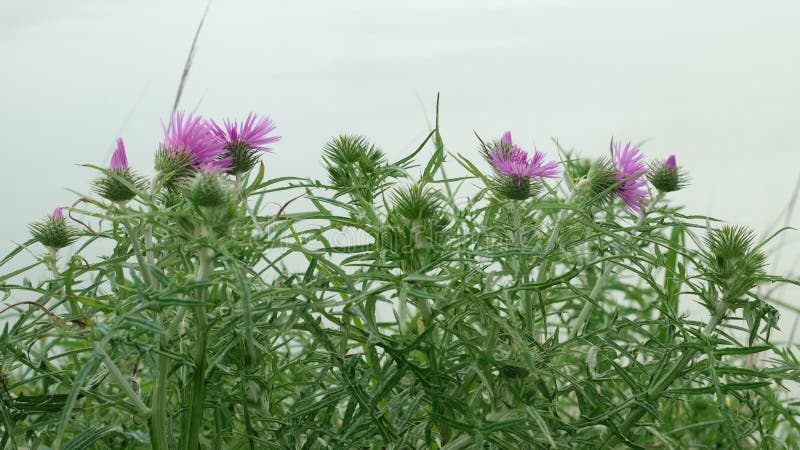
[(427, 318), (589, 305), (51, 261), (117, 376), (158, 423), (199, 382), (523, 272), (587, 308), (654, 393), (148, 230), (137, 251), (159, 436), (544, 269)]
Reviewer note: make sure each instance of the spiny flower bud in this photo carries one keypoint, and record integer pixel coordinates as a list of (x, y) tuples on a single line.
[(514, 188), (666, 176), (732, 261), (355, 166), (119, 184), (207, 188), (54, 232), (416, 225)]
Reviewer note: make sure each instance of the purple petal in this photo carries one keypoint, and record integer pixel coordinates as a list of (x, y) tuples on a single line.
[(506, 139), (253, 132), (670, 162), (119, 160), (191, 134), (631, 169)]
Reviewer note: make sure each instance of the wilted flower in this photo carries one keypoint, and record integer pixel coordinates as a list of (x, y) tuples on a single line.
[(666, 176), (54, 232), (630, 168), (244, 141), (118, 185), (516, 168)]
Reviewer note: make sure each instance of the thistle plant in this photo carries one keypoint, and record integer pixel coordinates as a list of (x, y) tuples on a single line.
[(495, 300)]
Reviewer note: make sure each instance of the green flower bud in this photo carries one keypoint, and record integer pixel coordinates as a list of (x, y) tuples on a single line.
[(175, 167), (118, 185), (207, 189), (732, 262), (54, 232), (354, 166), (666, 176)]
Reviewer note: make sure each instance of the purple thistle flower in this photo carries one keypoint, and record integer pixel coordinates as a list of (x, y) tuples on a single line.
[(253, 132), (119, 160), (510, 160), (58, 213), (670, 163), (631, 168), (191, 135)]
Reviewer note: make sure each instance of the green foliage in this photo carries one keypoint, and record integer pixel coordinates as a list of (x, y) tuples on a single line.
[(421, 312)]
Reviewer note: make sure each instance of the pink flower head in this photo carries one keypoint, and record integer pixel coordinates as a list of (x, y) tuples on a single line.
[(631, 168), (119, 160), (670, 162), (252, 133), (58, 213), (510, 160), (190, 134)]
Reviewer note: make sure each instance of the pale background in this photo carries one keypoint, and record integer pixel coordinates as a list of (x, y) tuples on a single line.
[(716, 82)]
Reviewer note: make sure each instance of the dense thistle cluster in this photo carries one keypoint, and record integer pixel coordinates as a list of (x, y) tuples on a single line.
[(192, 159), (191, 162), (625, 174), (475, 348)]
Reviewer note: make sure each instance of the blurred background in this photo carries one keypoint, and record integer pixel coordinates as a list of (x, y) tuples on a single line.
[(715, 82)]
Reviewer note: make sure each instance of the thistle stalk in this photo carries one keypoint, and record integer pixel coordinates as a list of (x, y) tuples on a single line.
[(544, 270), (117, 376), (523, 273), (666, 381), (199, 386), (137, 250), (586, 311), (158, 424)]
